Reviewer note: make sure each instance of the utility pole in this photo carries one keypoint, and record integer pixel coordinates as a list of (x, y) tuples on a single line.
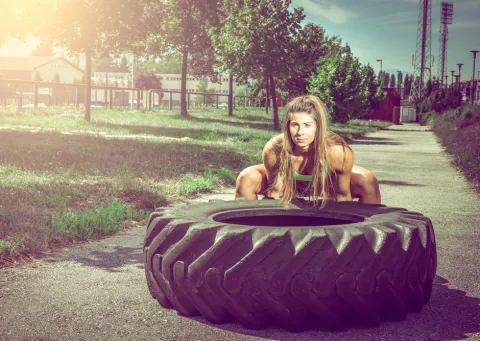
[(459, 75), (423, 55), (379, 60), (473, 87), (453, 75)]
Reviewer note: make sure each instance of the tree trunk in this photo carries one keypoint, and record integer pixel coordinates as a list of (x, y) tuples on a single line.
[(183, 87), (274, 103), (230, 94), (88, 83), (267, 91)]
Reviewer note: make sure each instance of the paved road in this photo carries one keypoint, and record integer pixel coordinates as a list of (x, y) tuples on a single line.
[(97, 291)]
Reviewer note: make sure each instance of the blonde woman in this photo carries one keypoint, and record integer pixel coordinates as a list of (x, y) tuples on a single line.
[(307, 161)]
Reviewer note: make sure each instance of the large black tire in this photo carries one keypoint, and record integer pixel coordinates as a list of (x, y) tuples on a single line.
[(253, 261)]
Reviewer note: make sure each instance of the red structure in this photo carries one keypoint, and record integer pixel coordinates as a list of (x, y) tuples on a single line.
[(386, 110)]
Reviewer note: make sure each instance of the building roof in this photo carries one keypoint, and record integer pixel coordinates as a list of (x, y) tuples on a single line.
[(29, 63)]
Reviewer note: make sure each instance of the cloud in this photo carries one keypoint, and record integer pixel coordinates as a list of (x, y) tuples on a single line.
[(330, 10)]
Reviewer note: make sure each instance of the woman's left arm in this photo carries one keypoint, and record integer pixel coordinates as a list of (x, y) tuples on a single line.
[(341, 162)]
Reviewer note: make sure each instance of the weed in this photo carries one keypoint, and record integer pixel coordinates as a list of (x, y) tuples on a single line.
[(190, 184), (100, 221), (11, 247)]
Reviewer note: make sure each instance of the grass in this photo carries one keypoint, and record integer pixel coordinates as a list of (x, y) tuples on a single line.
[(459, 131), (64, 180), (96, 222)]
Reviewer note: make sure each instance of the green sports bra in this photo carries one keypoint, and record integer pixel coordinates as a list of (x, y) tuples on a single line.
[(302, 177)]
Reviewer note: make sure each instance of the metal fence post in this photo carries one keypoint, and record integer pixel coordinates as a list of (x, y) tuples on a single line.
[(170, 102), (35, 95), (138, 99), (76, 97), (111, 98)]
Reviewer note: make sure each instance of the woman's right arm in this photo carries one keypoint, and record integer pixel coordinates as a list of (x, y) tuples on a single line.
[(270, 161)]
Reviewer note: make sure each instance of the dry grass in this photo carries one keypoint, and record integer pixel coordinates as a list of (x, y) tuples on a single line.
[(63, 179)]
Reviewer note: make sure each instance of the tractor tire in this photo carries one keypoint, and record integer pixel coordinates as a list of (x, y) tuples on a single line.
[(348, 264)]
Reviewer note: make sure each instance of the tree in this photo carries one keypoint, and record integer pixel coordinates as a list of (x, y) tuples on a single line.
[(124, 65), (185, 33), (12, 17), (171, 63), (407, 84), (386, 79), (372, 91), (258, 37), (44, 48), (38, 77), (203, 87), (312, 44), (392, 81), (147, 81), (338, 84), (56, 78), (400, 82), (89, 27)]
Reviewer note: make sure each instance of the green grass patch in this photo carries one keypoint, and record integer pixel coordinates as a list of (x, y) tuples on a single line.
[(11, 247), (94, 223), (211, 179)]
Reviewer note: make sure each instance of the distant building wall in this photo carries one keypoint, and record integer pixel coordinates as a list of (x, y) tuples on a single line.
[(385, 112), (66, 71), (16, 74)]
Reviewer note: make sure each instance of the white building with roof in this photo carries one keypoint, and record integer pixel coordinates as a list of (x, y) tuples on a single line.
[(46, 68)]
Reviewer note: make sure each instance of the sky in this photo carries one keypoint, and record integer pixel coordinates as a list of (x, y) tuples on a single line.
[(387, 30), (377, 29)]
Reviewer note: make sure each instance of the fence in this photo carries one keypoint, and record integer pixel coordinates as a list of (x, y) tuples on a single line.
[(24, 94)]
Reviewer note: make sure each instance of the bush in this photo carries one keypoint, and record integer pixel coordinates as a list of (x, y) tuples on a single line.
[(426, 118), (467, 115), (439, 100)]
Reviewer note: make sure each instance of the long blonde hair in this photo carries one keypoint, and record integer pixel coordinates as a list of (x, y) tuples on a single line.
[(322, 185)]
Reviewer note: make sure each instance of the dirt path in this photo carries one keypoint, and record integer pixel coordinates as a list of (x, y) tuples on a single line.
[(97, 291)]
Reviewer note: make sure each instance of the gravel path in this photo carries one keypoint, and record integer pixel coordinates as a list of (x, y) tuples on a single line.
[(97, 291)]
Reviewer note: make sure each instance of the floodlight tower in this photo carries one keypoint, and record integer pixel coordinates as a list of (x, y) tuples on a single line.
[(422, 65), (446, 18)]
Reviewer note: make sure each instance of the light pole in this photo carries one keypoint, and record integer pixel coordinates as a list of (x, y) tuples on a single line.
[(446, 82), (453, 75), (459, 75), (472, 90)]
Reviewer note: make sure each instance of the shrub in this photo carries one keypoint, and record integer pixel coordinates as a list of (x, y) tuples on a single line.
[(426, 118), (439, 100), (191, 184)]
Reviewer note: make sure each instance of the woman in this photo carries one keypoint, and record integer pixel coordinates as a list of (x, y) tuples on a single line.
[(306, 160)]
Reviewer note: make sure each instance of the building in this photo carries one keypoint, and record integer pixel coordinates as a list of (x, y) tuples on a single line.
[(47, 69), (389, 108)]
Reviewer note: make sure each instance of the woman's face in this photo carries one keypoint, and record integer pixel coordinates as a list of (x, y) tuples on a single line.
[(302, 129)]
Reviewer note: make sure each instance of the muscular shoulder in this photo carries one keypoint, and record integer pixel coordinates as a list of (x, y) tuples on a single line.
[(271, 150), (340, 158)]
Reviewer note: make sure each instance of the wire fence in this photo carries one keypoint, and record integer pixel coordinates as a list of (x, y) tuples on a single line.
[(32, 94)]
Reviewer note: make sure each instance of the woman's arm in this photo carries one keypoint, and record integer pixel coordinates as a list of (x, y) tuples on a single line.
[(270, 161), (340, 161)]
